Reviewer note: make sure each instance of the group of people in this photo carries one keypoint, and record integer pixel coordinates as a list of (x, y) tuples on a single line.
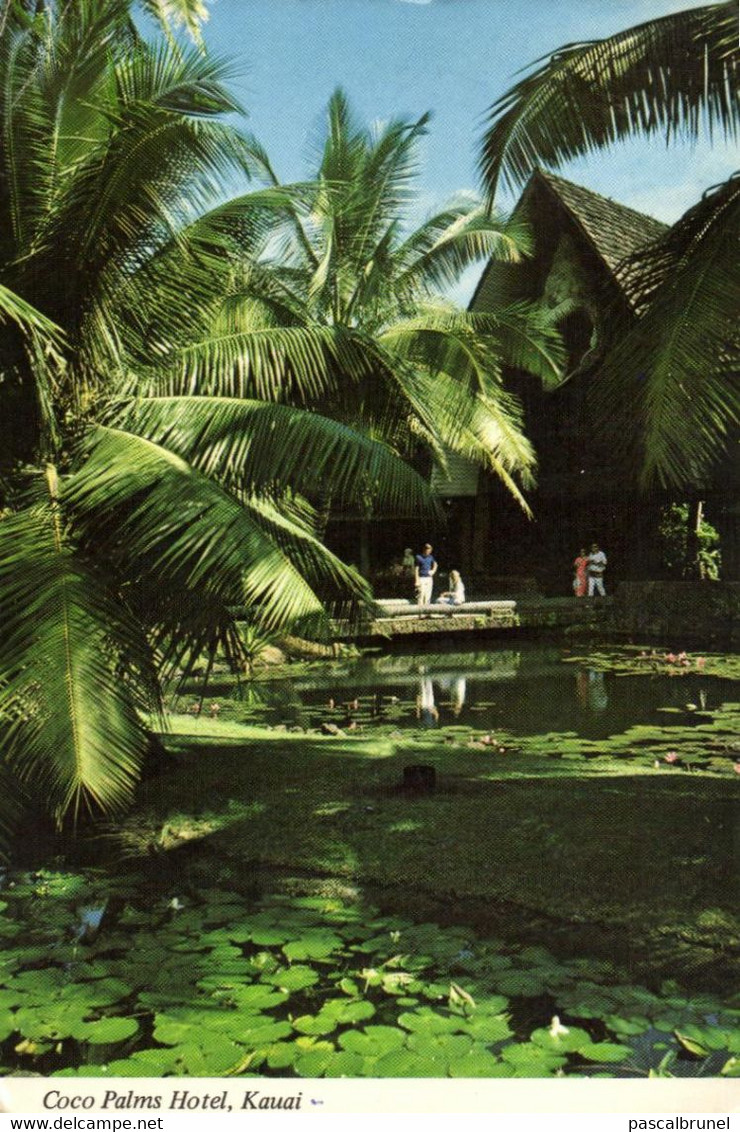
[(425, 567), (588, 575), (588, 572)]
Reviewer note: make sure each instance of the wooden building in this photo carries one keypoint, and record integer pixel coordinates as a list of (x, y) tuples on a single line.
[(584, 492), (580, 243)]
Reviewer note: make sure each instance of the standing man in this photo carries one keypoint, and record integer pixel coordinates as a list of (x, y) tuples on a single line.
[(425, 567), (595, 571)]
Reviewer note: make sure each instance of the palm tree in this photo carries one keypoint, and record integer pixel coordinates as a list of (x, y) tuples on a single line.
[(676, 76), (138, 514), (341, 261)]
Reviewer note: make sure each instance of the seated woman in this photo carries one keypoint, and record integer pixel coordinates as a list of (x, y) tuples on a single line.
[(455, 595)]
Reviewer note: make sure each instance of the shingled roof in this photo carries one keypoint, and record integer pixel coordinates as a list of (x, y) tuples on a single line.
[(614, 230)]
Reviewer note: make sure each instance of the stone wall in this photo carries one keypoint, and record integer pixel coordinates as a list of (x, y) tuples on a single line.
[(678, 611)]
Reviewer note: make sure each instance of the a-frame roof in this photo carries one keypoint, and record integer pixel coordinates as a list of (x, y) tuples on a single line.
[(614, 230)]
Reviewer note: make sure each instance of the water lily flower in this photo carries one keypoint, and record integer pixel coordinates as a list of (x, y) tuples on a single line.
[(670, 756), (656, 764), (214, 708), (700, 661), (195, 709), (556, 1027), (736, 767), (176, 904)]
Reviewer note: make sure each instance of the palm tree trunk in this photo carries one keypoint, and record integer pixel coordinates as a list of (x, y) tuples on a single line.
[(693, 567)]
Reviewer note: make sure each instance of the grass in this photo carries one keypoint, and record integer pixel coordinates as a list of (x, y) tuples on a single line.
[(602, 840)]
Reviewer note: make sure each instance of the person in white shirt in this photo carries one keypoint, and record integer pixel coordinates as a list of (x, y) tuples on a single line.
[(455, 595), (595, 571)]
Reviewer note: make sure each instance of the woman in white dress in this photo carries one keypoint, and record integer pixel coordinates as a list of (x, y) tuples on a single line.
[(455, 595)]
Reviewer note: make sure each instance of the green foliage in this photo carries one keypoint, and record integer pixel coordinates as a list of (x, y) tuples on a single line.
[(667, 394), (153, 383), (674, 533), (157, 509), (341, 262), (634, 88), (56, 1017)]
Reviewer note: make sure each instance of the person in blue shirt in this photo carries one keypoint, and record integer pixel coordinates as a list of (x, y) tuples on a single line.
[(425, 567)]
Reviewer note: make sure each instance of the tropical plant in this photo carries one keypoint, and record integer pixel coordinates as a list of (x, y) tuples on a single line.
[(690, 543), (141, 511), (343, 261), (679, 363)]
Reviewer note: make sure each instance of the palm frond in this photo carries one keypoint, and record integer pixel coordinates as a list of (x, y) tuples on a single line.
[(256, 447), (526, 338), (152, 512), (75, 668), (28, 318), (456, 393), (676, 75), (436, 254), (174, 14), (272, 363), (679, 365)]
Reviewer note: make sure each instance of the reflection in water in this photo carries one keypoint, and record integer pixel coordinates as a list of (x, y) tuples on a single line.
[(455, 687), (426, 709), (452, 686), (528, 690), (591, 689)]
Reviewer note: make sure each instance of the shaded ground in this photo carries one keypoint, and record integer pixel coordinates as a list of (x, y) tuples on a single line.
[(647, 856)]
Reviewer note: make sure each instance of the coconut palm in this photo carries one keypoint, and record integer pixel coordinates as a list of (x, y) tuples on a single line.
[(137, 517), (341, 261), (676, 76)]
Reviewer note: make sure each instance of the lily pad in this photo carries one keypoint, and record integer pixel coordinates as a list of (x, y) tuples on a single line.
[(348, 1012), (344, 1064), (108, 1031), (373, 1041), (313, 945), (529, 1060), (255, 1037), (628, 1026), (489, 1029), (292, 978), (426, 1021), (314, 1061), (404, 1063), (315, 1024), (442, 1047), (480, 1063)]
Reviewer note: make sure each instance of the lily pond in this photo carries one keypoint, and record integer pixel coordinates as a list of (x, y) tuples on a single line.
[(558, 899)]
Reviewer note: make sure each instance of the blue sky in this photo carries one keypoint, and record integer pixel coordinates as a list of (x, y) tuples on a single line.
[(453, 57)]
